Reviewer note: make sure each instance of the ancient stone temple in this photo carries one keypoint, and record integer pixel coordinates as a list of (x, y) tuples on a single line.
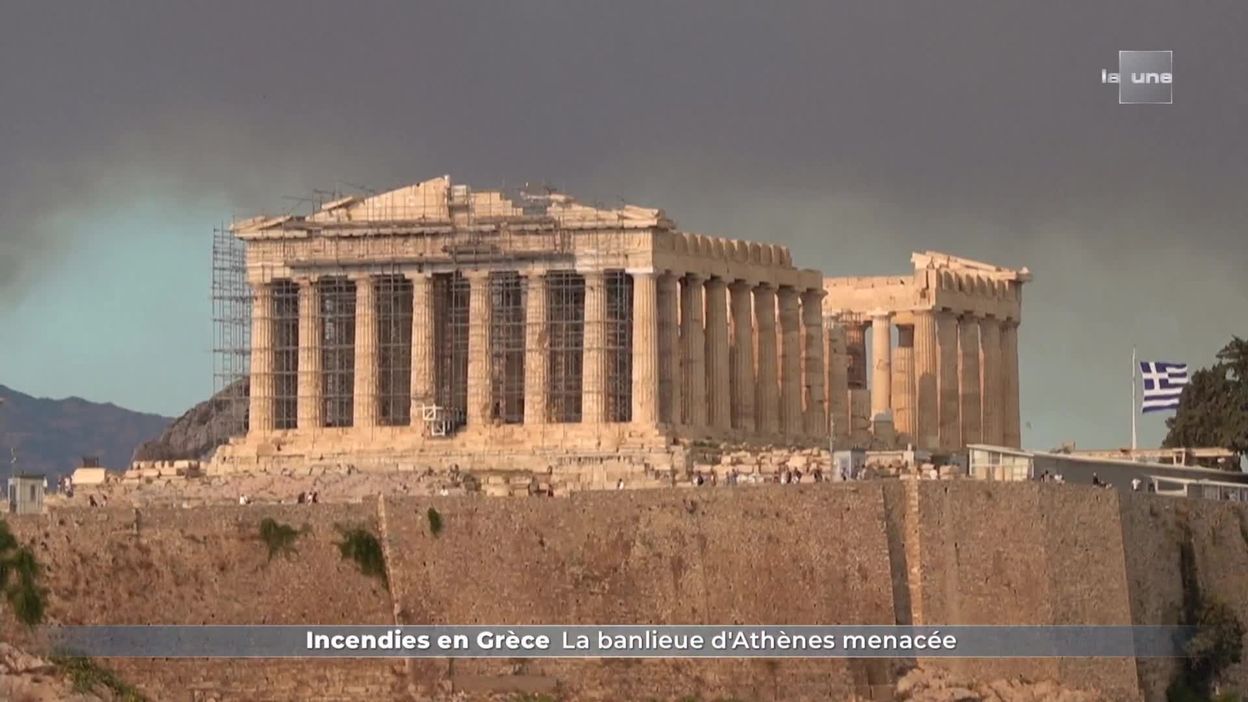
[(942, 368), (435, 324)]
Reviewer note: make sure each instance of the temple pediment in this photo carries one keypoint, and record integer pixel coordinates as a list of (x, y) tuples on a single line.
[(440, 201), (943, 261)]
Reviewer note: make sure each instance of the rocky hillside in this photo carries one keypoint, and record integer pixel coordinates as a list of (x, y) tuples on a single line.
[(51, 436), (197, 432)]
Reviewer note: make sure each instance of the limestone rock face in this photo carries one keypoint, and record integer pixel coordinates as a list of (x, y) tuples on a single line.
[(198, 432), (14, 660), (27, 678)]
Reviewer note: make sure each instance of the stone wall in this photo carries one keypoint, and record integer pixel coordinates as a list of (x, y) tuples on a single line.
[(1154, 531), (933, 552), (1033, 553), (652, 557), (209, 566), (1047, 553)]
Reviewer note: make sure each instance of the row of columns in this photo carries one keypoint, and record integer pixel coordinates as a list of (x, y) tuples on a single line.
[(755, 376), (706, 355), (950, 380)]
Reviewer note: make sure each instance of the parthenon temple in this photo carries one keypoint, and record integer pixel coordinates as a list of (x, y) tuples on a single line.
[(435, 323)]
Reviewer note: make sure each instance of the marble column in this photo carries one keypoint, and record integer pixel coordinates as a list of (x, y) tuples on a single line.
[(767, 392), (742, 401), (422, 345), (645, 349), (991, 389), (311, 403), (903, 384), (926, 386), (364, 407), (260, 417), (791, 420), (479, 309), (536, 348), (693, 341), (1011, 427), (838, 381), (815, 414), (860, 429), (968, 380), (947, 380), (669, 349), (718, 388), (594, 380), (881, 363)]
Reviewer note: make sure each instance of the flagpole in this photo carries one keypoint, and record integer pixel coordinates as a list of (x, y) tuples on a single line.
[(1133, 405)]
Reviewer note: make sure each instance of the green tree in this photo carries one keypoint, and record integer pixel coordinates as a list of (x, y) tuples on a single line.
[(1213, 410), (1217, 645), (19, 573)]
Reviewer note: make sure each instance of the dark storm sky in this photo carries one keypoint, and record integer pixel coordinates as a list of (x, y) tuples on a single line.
[(853, 132)]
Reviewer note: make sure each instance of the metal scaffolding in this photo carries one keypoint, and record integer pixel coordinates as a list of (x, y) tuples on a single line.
[(450, 333), (507, 336), (394, 349), (337, 329), (231, 351), (486, 234), (619, 346), (285, 321), (565, 325)]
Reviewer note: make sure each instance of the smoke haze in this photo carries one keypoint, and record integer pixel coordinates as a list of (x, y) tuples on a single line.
[(853, 134)]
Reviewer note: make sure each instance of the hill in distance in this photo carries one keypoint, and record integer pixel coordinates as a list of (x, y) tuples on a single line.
[(199, 431), (52, 436)]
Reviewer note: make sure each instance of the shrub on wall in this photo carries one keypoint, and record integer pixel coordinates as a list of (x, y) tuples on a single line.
[(1217, 645), (19, 578), (87, 677), (279, 538), (361, 545)]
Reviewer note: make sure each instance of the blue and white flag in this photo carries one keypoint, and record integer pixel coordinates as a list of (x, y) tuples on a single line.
[(1163, 384)]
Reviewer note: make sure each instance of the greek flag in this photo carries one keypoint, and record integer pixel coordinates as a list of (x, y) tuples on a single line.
[(1163, 384)]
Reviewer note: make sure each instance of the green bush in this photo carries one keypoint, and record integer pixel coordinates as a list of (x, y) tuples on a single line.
[(1217, 645), (361, 545), (88, 677), (435, 522), (1219, 639), (280, 538), (19, 579)]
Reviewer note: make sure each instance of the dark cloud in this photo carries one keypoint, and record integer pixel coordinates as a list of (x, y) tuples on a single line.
[(854, 134)]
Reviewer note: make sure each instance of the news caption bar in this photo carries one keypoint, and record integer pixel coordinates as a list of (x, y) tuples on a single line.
[(620, 641)]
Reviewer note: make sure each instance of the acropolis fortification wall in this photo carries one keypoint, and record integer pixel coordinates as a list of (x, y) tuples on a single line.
[(928, 552)]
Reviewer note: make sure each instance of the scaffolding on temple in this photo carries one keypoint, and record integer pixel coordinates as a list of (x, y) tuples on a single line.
[(507, 338), (511, 233), (618, 354), (394, 349), (231, 316)]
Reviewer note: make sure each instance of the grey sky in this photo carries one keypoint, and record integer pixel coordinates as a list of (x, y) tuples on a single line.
[(854, 132)]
